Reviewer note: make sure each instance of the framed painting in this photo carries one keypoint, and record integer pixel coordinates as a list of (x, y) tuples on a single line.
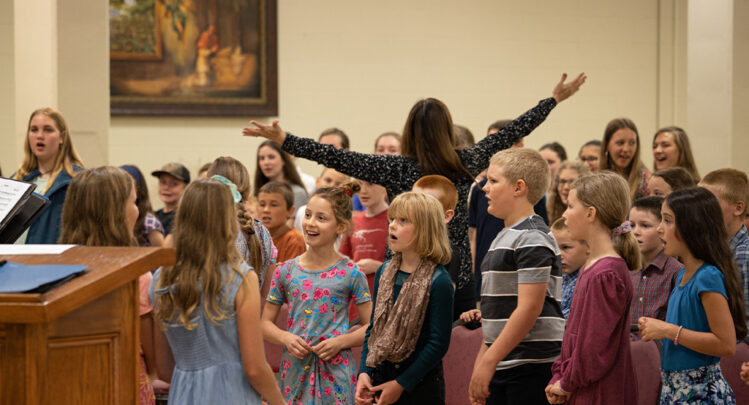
[(193, 57)]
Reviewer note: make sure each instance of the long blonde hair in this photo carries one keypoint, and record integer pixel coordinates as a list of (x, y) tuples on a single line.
[(66, 155), (95, 212), (205, 231), (430, 233), (555, 206), (608, 193), (238, 174)]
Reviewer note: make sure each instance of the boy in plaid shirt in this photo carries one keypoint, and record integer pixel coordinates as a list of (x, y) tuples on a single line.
[(654, 282), (731, 188)]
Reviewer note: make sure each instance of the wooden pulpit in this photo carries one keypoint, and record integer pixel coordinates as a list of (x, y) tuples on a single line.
[(78, 343)]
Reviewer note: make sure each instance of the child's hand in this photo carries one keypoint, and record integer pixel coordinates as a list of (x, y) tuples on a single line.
[(364, 394), (272, 132), (296, 346), (555, 395), (652, 329), (745, 372), (478, 390), (327, 348), (368, 266), (390, 392), (473, 315)]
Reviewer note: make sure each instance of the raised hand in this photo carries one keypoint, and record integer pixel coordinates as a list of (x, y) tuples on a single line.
[(563, 91), (271, 132)]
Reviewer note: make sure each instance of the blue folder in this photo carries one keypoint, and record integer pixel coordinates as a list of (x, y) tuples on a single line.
[(23, 278)]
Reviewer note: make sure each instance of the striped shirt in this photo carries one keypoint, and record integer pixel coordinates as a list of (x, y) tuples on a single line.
[(525, 253)]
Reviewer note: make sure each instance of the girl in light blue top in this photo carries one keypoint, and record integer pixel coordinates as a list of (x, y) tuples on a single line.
[(209, 303), (705, 310)]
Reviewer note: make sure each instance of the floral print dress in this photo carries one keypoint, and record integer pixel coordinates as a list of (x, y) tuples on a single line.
[(318, 310)]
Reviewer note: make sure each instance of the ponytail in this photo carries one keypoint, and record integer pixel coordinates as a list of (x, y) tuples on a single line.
[(626, 246), (608, 192)]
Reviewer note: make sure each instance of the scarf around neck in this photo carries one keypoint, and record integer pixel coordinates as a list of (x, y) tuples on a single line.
[(396, 325)]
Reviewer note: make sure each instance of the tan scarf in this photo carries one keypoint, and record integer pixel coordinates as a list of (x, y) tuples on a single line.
[(396, 326)]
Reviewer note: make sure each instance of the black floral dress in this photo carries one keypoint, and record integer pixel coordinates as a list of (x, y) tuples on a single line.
[(398, 173)]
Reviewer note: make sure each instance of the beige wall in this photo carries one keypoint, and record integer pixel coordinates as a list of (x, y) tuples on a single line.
[(361, 68)]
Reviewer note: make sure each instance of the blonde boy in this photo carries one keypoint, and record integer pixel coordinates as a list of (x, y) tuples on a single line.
[(574, 253), (522, 321), (731, 188), (441, 188)]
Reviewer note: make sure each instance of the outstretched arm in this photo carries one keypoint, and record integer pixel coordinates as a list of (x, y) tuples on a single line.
[(476, 157)]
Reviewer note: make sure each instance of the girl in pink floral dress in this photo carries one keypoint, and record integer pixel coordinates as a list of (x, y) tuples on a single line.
[(317, 366)]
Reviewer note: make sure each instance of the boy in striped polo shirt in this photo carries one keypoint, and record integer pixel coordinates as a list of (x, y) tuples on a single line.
[(522, 319)]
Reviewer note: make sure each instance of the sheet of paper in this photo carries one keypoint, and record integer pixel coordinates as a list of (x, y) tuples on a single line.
[(11, 192), (33, 249)]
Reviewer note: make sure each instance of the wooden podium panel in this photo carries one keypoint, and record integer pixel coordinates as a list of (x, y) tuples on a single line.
[(76, 344)]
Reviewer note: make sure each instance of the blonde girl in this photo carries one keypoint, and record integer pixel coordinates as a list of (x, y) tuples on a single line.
[(412, 316), (50, 162), (254, 241), (620, 153), (100, 210), (705, 313), (595, 366), (568, 172), (317, 366), (209, 302)]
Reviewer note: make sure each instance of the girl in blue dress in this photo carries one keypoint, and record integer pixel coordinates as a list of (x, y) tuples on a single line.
[(706, 308), (209, 302), (317, 366)]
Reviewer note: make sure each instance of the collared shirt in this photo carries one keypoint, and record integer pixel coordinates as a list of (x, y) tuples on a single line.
[(568, 288), (653, 286), (740, 246)]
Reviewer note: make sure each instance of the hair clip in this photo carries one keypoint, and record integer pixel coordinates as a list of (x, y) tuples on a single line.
[(625, 227), (346, 190)]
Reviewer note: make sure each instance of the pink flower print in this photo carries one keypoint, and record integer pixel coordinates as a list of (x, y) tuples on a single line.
[(288, 277), (350, 265), (337, 359), (307, 285), (273, 283), (305, 296), (291, 322), (323, 308), (302, 325), (295, 293), (287, 390), (345, 362), (312, 392), (332, 273), (331, 378), (322, 338), (277, 273), (326, 292), (335, 333), (317, 294), (341, 273), (302, 378), (312, 379), (327, 391), (323, 275)]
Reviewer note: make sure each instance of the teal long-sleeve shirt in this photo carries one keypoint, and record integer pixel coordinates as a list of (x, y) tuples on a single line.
[(434, 338)]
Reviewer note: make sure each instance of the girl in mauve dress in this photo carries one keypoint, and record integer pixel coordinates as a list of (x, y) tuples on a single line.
[(595, 366)]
